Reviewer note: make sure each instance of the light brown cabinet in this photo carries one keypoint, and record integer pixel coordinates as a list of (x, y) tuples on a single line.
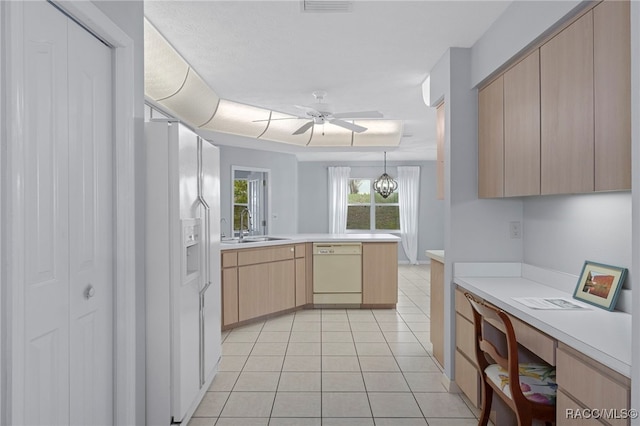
[(559, 120), (612, 88), (301, 275), (261, 281), (440, 121), (491, 140), (585, 383), (566, 96), (380, 273), (466, 372), (437, 310), (522, 127)]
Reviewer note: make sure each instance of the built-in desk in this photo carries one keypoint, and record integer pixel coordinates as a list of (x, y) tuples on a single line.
[(592, 346)]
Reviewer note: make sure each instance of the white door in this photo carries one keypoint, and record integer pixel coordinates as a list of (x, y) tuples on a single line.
[(91, 230), (68, 268)]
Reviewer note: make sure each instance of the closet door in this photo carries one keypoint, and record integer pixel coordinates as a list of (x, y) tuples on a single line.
[(63, 341), (91, 228), (44, 372)]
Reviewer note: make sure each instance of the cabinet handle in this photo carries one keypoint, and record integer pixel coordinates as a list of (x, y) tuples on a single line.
[(291, 249), (89, 292)]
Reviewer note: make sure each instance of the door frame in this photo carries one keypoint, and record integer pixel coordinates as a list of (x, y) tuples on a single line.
[(126, 366)]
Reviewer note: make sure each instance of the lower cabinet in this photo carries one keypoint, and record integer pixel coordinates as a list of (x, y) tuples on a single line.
[(262, 281), (437, 310), (379, 273), (229, 296), (583, 383)]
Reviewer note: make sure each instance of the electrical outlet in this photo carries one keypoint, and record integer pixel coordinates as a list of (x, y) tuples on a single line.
[(515, 230)]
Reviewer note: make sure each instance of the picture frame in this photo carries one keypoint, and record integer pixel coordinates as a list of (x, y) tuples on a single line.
[(600, 284)]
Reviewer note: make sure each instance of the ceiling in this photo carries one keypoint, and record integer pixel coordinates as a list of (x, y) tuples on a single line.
[(273, 55)]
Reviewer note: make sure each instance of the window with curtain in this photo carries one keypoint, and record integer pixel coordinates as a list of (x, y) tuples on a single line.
[(367, 210)]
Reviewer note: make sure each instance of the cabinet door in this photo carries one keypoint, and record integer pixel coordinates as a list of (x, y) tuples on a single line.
[(380, 273), (301, 281), (612, 84), (440, 151), (491, 140), (282, 286), (229, 296), (437, 310), (253, 291), (566, 95), (522, 127)]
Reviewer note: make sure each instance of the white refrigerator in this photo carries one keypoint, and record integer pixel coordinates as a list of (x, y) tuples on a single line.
[(182, 270)]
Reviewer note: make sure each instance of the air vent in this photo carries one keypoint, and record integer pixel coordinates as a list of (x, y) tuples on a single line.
[(326, 6)]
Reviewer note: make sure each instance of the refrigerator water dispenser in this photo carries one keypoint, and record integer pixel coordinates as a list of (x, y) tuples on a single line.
[(191, 257)]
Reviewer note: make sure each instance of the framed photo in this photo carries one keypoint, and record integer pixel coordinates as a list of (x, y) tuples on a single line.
[(600, 285)]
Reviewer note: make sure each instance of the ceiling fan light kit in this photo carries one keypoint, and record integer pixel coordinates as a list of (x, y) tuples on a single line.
[(385, 185)]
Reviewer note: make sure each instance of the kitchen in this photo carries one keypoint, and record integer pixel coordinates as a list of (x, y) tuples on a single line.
[(469, 223)]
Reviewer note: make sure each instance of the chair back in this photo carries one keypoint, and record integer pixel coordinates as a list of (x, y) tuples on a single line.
[(484, 312)]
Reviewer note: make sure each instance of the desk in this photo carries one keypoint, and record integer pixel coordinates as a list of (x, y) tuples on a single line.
[(592, 344)]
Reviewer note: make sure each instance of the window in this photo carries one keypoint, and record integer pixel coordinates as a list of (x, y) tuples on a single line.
[(385, 214), (240, 201)]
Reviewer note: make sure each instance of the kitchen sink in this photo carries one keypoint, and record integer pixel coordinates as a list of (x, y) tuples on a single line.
[(252, 240), (257, 239)]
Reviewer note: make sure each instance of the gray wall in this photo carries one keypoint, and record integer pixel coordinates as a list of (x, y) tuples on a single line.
[(283, 206), (128, 15), (561, 232), (314, 195)]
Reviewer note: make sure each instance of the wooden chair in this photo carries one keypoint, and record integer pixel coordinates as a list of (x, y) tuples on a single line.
[(528, 389)]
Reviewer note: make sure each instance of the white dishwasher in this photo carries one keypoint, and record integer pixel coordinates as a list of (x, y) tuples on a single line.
[(337, 273)]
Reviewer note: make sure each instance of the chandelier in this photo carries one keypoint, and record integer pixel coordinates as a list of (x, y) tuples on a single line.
[(385, 185)]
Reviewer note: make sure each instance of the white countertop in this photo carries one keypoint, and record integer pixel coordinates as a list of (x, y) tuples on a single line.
[(602, 335), (310, 238), (436, 255)]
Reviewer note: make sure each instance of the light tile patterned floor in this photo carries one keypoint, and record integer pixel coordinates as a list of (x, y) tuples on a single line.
[(336, 367)]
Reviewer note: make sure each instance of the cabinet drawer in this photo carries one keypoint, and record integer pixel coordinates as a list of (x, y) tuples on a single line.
[(300, 250), (229, 296), (265, 255), (592, 384), (534, 340), (229, 259), (462, 305), (467, 378), (465, 338), (566, 412)]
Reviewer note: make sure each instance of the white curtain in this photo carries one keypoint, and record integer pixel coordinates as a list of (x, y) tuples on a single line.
[(408, 195), (338, 193)]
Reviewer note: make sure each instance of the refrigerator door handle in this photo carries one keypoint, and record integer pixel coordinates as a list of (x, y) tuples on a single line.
[(207, 253)]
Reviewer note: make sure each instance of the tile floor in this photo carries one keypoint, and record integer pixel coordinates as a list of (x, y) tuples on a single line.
[(336, 367)]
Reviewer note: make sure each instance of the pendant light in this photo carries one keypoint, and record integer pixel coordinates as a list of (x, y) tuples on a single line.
[(385, 185)]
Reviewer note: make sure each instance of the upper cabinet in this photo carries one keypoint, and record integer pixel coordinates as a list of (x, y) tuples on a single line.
[(440, 151), (612, 83), (522, 127), (566, 94), (491, 140), (565, 113)]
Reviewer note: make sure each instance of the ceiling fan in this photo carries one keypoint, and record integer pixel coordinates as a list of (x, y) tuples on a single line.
[(321, 113)]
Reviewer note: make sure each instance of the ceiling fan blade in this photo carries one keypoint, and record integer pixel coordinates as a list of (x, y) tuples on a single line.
[(304, 128), (348, 126), (358, 114)]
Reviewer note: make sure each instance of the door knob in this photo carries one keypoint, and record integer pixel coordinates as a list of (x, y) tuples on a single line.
[(89, 292)]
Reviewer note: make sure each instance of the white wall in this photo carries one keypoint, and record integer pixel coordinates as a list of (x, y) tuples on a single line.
[(283, 207), (128, 15), (475, 230), (523, 21), (561, 232), (314, 199)]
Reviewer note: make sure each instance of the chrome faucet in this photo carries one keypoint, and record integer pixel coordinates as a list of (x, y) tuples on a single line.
[(242, 213)]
